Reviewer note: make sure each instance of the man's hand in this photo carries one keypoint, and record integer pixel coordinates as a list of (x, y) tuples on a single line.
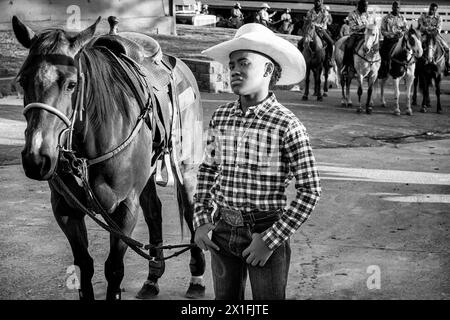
[(257, 252), (202, 239)]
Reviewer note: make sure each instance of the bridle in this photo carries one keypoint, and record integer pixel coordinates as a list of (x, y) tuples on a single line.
[(373, 49), (76, 166), (409, 51)]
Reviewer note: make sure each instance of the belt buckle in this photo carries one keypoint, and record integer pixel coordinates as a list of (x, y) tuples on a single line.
[(232, 217)]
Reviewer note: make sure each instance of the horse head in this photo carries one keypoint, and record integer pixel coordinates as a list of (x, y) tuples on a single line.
[(49, 78), (371, 38), (412, 43), (310, 36), (431, 48)]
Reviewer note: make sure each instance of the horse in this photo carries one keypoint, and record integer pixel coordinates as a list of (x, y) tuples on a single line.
[(85, 108), (285, 27), (367, 62), (430, 67), (312, 48), (402, 66)]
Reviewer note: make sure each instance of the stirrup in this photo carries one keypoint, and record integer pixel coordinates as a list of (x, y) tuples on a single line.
[(167, 168)]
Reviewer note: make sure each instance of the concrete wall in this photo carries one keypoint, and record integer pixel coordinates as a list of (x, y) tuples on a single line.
[(134, 15)]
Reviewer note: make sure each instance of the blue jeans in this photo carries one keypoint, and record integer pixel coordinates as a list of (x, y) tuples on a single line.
[(229, 269)]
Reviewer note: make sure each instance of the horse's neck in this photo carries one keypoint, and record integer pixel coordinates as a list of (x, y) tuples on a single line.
[(92, 142)]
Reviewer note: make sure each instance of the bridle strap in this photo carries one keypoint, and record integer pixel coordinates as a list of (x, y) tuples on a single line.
[(46, 107)]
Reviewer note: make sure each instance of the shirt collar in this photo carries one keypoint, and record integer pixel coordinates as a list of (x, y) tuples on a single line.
[(259, 110)]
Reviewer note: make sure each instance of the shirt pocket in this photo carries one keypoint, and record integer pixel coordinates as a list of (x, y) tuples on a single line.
[(259, 149)]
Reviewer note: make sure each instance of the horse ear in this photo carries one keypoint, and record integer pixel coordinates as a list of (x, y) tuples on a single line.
[(23, 33), (84, 36)]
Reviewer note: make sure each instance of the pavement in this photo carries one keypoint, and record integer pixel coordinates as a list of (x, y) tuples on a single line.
[(380, 230)]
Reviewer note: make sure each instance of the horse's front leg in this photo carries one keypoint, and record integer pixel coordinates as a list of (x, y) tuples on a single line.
[(326, 70), (125, 216), (72, 224), (306, 93), (317, 87), (425, 94), (396, 96), (382, 84), (409, 82), (360, 92), (414, 96), (437, 83), (371, 82)]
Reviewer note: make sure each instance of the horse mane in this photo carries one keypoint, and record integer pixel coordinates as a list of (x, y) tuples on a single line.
[(106, 89)]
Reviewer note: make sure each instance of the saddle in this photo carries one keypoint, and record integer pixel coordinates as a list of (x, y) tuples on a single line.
[(155, 69)]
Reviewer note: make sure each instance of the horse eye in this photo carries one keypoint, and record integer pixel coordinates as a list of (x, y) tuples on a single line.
[(71, 85)]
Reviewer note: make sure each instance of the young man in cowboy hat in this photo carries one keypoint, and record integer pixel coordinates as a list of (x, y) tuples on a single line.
[(254, 148)]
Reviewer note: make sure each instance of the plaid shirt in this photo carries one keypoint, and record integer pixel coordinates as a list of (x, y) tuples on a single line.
[(248, 163), (357, 21), (430, 23), (321, 18), (391, 25)]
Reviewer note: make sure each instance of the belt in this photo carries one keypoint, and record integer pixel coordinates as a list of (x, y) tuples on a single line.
[(238, 218)]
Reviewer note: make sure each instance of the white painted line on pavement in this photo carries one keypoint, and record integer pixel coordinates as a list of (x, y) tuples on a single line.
[(381, 175)]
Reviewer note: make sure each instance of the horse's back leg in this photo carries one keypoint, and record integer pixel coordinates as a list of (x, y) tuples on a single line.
[(152, 210), (73, 225), (437, 83), (317, 88), (360, 92), (197, 264), (125, 217), (306, 92)]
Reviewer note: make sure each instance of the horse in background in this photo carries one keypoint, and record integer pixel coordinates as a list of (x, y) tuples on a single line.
[(92, 134), (429, 68), (402, 65), (313, 50), (367, 62)]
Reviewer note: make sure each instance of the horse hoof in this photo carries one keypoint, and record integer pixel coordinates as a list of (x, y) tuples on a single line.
[(304, 98), (319, 98), (114, 295), (349, 105), (149, 290), (195, 291), (439, 111), (325, 94), (359, 110), (423, 110), (383, 105), (368, 110), (397, 112), (409, 112)]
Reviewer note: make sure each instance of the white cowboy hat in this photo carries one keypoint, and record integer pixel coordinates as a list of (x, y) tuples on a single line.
[(256, 37), (237, 4), (265, 5)]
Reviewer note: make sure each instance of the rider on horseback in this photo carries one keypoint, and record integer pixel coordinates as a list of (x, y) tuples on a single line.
[(263, 15), (393, 26), (358, 20), (237, 18), (286, 16), (431, 23), (321, 18)]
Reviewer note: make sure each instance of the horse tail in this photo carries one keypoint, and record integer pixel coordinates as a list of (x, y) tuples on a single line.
[(186, 149)]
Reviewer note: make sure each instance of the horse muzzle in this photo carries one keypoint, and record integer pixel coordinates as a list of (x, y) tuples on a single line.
[(38, 165)]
